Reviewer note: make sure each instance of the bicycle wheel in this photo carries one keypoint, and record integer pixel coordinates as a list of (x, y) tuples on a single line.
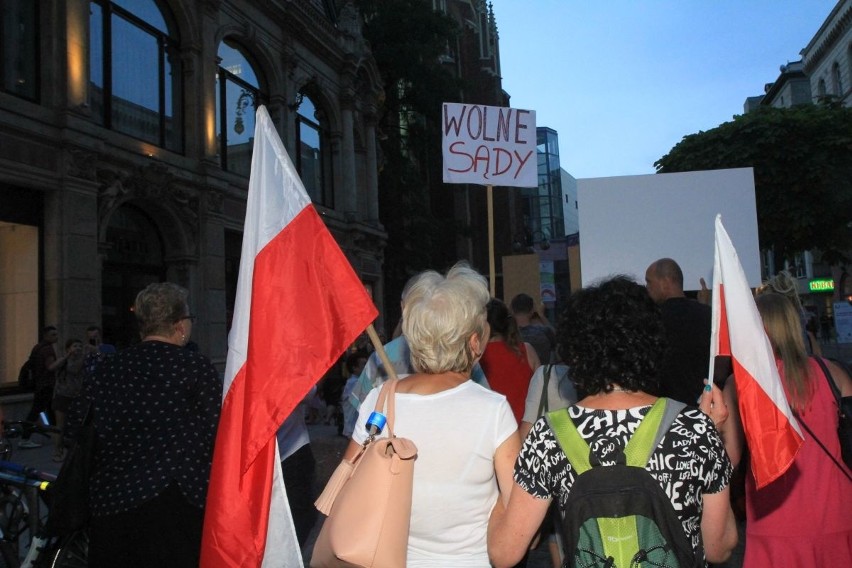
[(73, 552), (13, 521), (8, 555)]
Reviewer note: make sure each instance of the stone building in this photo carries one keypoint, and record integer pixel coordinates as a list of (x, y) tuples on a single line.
[(125, 146)]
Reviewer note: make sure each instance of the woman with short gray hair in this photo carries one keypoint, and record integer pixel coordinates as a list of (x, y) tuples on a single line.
[(155, 410), (466, 436)]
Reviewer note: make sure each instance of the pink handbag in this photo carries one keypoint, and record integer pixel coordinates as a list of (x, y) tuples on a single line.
[(368, 501)]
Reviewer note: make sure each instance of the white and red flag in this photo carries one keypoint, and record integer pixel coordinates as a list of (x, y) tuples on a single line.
[(771, 431), (299, 305)]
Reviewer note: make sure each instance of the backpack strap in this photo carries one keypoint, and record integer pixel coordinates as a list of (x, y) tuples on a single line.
[(542, 403), (639, 448), (650, 432), (575, 447)]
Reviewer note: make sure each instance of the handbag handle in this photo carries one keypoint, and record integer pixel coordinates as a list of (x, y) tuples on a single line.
[(542, 402), (387, 394)]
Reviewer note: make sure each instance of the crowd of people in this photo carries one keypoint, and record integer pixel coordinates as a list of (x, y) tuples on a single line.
[(482, 382)]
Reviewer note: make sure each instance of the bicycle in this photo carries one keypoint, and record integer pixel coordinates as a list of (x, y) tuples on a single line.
[(23, 490)]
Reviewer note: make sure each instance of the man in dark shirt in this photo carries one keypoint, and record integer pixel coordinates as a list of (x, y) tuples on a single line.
[(540, 336), (45, 364), (688, 327)]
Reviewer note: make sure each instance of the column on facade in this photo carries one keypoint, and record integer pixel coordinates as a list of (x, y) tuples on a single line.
[(72, 267), (213, 304), (77, 53), (372, 169), (201, 109), (349, 186)]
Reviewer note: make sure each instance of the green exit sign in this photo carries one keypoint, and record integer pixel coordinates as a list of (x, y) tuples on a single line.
[(821, 285)]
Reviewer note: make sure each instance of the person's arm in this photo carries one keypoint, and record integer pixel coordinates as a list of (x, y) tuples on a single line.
[(524, 429), (721, 407), (532, 356), (351, 450), (504, 464), (511, 528), (718, 526), (841, 379), (816, 348), (51, 361)]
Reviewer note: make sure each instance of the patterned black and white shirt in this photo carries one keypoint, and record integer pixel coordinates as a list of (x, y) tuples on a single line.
[(689, 461), (156, 409)]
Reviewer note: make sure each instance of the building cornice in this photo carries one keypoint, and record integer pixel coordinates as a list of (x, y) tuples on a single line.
[(830, 32)]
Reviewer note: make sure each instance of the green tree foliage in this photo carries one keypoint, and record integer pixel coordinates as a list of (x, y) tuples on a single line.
[(802, 160), (408, 40)]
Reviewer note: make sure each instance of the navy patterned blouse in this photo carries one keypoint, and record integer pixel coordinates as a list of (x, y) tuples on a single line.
[(156, 409)]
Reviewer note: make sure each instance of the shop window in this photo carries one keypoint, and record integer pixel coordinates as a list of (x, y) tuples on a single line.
[(19, 61), (313, 159), (135, 71), (237, 98)]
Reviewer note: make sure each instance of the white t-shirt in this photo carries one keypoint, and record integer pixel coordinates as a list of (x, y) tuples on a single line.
[(456, 433)]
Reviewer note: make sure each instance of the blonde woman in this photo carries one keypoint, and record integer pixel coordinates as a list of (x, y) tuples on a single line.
[(783, 283), (466, 436), (802, 518)]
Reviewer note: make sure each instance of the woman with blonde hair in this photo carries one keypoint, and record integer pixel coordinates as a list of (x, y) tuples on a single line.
[(783, 283), (802, 518), (465, 435)]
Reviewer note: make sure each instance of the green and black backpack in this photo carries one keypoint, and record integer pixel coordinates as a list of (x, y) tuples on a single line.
[(618, 516)]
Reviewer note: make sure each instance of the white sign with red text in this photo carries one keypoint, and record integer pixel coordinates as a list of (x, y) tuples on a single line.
[(489, 145)]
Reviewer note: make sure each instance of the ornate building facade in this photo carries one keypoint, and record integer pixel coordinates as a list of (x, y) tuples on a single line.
[(126, 129)]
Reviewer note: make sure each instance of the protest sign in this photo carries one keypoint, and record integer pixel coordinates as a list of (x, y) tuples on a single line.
[(489, 145)]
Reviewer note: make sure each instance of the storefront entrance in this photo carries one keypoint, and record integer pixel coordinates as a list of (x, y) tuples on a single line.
[(134, 259)]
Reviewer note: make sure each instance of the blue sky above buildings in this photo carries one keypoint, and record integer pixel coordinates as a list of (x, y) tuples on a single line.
[(623, 81)]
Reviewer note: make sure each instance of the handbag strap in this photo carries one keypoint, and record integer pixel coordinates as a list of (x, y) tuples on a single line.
[(824, 449), (542, 403), (827, 374), (385, 403), (836, 393)]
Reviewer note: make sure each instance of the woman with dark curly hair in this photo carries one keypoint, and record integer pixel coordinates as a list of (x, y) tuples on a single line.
[(612, 338)]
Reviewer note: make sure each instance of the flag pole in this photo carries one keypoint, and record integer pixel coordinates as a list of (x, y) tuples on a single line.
[(380, 349), (492, 283)]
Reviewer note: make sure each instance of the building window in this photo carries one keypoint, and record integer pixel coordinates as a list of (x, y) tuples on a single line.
[(19, 61), (838, 79), (135, 71), (237, 98), (821, 91), (313, 159)]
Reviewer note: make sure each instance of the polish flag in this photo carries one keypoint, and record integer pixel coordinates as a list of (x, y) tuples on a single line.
[(299, 305), (771, 431)]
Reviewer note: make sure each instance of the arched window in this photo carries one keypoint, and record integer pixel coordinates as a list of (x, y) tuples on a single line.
[(821, 91), (237, 98), (19, 61), (135, 71), (838, 79), (313, 159)]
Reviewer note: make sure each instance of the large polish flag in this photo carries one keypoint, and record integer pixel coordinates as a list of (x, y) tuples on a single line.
[(299, 306), (771, 431)]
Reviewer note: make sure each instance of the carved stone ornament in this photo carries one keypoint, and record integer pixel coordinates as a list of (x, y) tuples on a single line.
[(81, 163), (154, 183)]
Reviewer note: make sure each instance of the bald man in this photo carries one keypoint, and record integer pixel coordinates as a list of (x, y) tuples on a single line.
[(688, 325)]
